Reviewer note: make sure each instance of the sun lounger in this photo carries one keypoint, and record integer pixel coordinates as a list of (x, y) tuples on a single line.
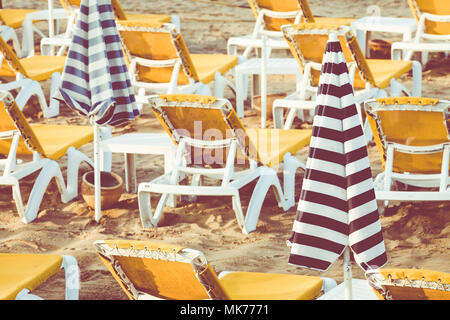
[(36, 68), (153, 270), (433, 30), (159, 61), (371, 77), (409, 284), (412, 138), (44, 144), (22, 273), (211, 127)]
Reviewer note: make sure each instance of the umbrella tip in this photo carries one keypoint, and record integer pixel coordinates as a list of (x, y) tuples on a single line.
[(332, 37)]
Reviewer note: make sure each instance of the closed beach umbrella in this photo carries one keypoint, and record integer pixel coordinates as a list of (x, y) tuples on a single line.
[(337, 211), (95, 81)]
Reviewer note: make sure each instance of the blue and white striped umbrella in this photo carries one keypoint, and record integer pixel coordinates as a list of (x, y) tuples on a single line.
[(337, 210), (95, 80)]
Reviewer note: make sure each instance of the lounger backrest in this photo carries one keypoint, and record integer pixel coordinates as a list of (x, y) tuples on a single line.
[(273, 23), (11, 58), (156, 41), (410, 284), (412, 122), (69, 5), (307, 42), (436, 7), (159, 269), (11, 118), (118, 11), (203, 118)]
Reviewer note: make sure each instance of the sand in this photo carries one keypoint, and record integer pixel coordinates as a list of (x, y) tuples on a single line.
[(417, 235)]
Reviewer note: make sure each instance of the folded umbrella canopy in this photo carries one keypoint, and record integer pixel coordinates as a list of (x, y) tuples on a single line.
[(337, 209), (95, 81)]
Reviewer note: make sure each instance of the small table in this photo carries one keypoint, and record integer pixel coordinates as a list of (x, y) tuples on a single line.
[(360, 291), (366, 25), (253, 67), (131, 144)]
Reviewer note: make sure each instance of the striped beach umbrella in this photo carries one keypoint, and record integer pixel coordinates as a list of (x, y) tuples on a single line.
[(95, 80), (337, 211)]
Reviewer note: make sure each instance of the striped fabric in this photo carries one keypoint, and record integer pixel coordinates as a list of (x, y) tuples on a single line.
[(95, 80), (337, 205)]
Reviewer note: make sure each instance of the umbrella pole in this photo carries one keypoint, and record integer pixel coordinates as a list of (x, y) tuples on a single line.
[(347, 274), (263, 81), (51, 26), (97, 182)]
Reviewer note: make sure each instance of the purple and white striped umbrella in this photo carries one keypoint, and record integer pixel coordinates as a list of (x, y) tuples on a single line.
[(337, 207), (95, 81)]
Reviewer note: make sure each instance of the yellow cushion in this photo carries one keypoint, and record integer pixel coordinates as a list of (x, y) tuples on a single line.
[(267, 286), (19, 271), (415, 128), (157, 18), (207, 65), (385, 70), (14, 17), (334, 21), (41, 68), (158, 277), (408, 292), (272, 144), (37, 67), (56, 139), (437, 7)]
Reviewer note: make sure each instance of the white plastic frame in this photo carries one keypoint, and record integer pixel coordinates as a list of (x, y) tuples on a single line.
[(15, 169), (198, 87), (230, 183), (72, 281), (193, 257), (423, 42), (384, 181)]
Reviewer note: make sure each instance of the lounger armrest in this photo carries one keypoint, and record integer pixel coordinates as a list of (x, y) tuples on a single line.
[(436, 17)]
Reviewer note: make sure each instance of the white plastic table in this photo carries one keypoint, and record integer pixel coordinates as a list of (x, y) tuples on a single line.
[(247, 41), (365, 25), (131, 144), (360, 289), (253, 67)]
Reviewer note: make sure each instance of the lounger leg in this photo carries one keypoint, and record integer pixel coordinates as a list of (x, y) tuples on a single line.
[(17, 196), (175, 19), (49, 171), (219, 85), (290, 118), (396, 88), (417, 79), (53, 105), (148, 219), (145, 208), (72, 275), (74, 158), (239, 213), (26, 295), (203, 89), (240, 94), (27, 38), (267, 180), (290, 166), (424, 57), (29, 89)]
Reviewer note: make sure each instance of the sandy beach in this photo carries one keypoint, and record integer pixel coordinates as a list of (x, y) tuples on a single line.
[(417, 235)]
